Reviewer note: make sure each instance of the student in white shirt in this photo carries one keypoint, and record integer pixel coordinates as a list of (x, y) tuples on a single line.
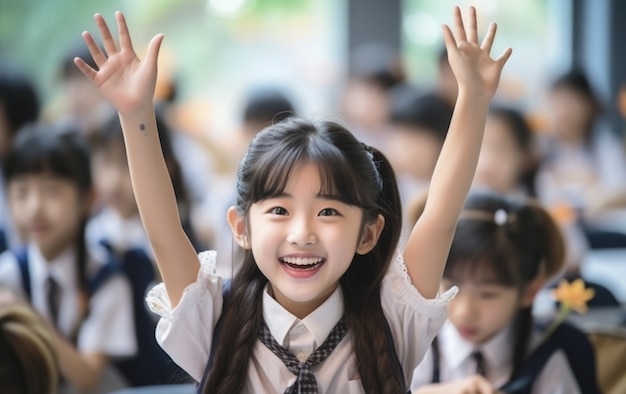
[(85, 299), (318, 218), (502, 254)]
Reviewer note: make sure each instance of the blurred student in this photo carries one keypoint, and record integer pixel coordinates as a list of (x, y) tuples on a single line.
[(375, 68), (418, 127), (19, 106), (28, 360), (502, 253), (508, 157), (583, 159), (81, 293)]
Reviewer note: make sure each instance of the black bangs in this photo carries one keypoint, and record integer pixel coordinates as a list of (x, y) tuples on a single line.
[(482, 254), (274, 164), (42, 150)]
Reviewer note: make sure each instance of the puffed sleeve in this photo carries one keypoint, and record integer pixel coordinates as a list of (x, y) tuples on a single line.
[(413, 319), (186, 331)]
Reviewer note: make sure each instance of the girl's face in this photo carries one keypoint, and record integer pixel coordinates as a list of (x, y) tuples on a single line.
[(502, 160), (112, 180), (47, 210), (303, 242), (481, 310), (570, 113)]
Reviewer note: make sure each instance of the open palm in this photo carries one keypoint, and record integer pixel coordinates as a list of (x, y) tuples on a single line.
[(472, 64), (123, 79)]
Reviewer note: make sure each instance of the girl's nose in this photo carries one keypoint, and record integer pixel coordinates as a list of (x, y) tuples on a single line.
[(302, 233)]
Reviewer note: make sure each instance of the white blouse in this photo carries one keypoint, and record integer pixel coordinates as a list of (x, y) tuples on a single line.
[(186, 331), (456, 363)]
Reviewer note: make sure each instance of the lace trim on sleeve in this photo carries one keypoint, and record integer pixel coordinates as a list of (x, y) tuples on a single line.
[(398, 277), (159, 302)]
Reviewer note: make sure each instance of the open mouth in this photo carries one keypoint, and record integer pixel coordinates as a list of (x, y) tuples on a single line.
[(302, 263)]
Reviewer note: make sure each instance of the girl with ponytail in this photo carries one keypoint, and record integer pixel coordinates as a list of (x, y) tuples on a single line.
[(322, 302), (502, 254)]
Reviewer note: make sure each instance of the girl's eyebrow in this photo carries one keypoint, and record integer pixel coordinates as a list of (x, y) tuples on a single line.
[(331, 197), (322, 196)]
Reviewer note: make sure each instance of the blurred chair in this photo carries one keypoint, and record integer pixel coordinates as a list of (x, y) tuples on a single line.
[(610, 349)]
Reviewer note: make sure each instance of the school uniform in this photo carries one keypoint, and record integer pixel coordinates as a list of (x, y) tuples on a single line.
[(186, 331), (457, 362), (108, 325), (121, 233)]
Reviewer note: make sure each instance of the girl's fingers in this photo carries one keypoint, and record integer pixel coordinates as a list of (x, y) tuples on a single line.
[(504, 57), (94, 49), (458, 25), (473, 28), (153, 49), (448, 39), (122, 28), (489, 37), (85, 68), (105, 33)]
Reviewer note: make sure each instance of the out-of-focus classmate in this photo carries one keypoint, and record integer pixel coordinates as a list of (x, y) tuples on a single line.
[(84, 296)]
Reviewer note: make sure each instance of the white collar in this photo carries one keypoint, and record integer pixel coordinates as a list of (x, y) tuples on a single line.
[(121, 233), (497, 352), (62, 268), (320, 322)]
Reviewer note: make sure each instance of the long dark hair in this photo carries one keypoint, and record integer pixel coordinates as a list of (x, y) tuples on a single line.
[(510, 241), (358, 175), (60, 151)]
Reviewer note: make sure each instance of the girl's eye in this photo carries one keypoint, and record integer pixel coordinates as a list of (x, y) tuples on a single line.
[(328, 212), (278, 211), (489, 295)]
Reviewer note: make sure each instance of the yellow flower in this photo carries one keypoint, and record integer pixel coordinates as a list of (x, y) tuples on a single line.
[(573, 295)]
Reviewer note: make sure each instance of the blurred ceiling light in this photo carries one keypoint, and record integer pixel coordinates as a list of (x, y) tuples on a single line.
[(226, 8)]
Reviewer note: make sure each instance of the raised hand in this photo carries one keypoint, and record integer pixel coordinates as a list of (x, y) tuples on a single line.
[(474, 69), (123, 79)]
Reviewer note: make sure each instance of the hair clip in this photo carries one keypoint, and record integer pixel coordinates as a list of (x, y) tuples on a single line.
[(500, 217)]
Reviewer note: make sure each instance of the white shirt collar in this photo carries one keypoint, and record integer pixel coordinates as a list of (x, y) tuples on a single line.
[(320, 322), (61, 268), (497, 352), (121, 233)]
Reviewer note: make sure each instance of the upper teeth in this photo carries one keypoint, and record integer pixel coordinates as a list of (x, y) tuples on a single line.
[(302, 260)]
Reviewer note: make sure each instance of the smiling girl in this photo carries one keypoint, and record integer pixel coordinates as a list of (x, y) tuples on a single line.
[(317, 305)]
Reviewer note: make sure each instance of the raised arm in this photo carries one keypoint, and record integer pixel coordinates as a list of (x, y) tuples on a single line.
[(477, 76), (128, 84)]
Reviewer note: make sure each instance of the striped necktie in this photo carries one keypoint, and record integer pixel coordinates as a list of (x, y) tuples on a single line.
[(305, 383)]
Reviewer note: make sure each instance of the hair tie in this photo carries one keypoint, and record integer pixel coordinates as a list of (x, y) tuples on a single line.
[(500, 217)]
